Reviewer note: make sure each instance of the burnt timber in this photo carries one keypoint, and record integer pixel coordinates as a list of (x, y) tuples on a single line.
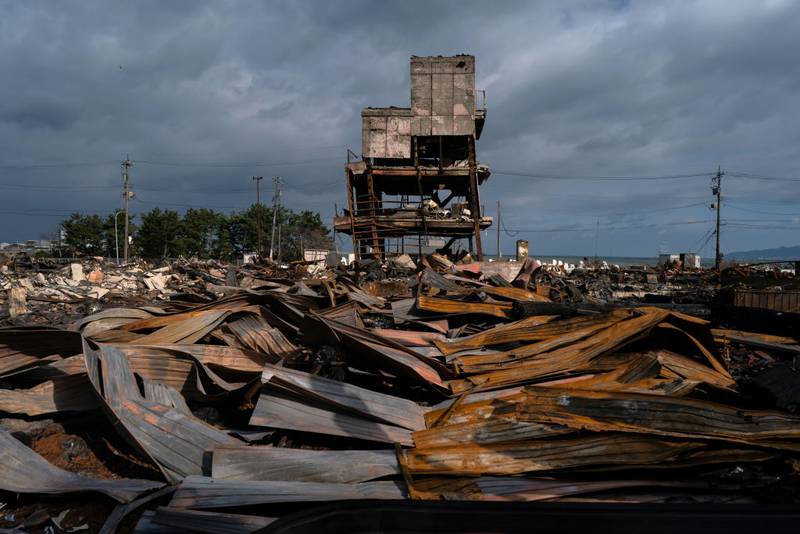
[(416, 162)]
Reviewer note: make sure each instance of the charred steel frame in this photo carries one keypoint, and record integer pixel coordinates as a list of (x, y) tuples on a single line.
[(419, 152)]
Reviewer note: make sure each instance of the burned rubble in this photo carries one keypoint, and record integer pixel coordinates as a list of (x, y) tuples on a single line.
[(205, 396)]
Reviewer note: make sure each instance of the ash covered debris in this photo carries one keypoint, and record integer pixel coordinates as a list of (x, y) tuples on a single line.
[(225, 395)]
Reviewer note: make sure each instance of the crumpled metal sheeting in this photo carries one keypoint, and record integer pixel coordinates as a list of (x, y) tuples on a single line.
[(531, 489), (253, 332), (206, 493), (495, 430), (174, 441), (180, 369), (347, 397), (500, 310), (108, 319), (164, 520), (163, 394), (642, 373), (659, 415), (277, 463), (603, 450), (570, 358), (67, 394), (369, 351), (541, 489), (478, 363), (527, 329), (25, 347), (434, 283), (276, 409), (24, 471)]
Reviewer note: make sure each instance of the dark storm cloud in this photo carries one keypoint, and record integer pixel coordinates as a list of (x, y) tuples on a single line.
[(575, 88)]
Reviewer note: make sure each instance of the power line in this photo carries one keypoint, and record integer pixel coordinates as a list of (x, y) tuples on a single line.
[(762, 177), (738, 208), (235, 164), (195, 206), (596, 178), (611, 228), (59, 165)]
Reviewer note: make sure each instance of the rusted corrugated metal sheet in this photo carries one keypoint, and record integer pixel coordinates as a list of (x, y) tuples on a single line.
[(659, 415), (369, 351), (253, 332), (171, 520), (66, 394), (22, 348), (175, 441), (571, 358), (276, 463), (609, 450), (24, 471), (208, 493), (527, 329), (347, 397), (449, 306), (274, 410)]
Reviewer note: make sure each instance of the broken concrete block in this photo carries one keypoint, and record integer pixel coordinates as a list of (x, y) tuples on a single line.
[(97, 292), (157, 282), (16, 302), (76, 271)]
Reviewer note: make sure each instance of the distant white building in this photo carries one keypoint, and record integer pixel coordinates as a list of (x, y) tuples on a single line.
[(689, 260)]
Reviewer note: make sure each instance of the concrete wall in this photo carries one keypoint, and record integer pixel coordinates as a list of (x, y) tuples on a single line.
[(386, 132), (443, 95)]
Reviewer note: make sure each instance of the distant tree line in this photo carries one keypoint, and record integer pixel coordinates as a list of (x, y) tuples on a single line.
[(201, 233)]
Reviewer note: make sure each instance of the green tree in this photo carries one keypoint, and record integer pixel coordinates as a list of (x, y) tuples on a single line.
[(158, 235), (110, 237), (83, 235), (199, 233), (242, 229), (300, 231)]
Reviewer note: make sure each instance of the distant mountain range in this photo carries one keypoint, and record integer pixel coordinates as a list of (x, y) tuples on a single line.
[(780, 253)]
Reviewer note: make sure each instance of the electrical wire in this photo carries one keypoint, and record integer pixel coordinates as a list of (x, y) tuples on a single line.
[(738, 208), (752, 176), (596, 178), (204, 206), (17, 166), (233, 164), (611, 228), (508, 232)]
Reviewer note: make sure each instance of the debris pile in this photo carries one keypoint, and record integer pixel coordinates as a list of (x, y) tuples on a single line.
[(49, 293), (245, 396)]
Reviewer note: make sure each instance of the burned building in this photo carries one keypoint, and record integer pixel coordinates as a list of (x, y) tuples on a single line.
[(418, 176)]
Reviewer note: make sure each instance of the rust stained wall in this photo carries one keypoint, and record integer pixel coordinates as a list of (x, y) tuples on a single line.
[(443, 95), (386, 132)]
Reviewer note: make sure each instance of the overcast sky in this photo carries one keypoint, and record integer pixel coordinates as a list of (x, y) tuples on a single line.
[(574, 89)]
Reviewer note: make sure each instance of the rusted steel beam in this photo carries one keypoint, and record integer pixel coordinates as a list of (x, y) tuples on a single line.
[(475, 201)]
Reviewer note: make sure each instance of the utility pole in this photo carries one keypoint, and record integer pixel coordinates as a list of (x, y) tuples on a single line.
[(126, 194), (276, 202), (279, 242), (716, 189), (257, 180), (499, 253)]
